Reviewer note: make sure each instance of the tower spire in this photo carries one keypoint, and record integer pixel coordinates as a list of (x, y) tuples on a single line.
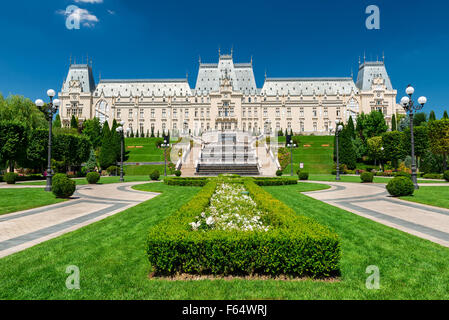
[(199, 59), (70, 59), (383, 56)]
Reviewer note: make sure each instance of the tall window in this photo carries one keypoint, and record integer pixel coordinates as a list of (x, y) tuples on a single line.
[(141, 114), (314, 112), (152, 114), (265, 112), (130, 113), (119, 114), (164, 113), (301, 112), (289, 112), (101, 111), (325, 113), (175, 113), (315, 128), (278, 112)]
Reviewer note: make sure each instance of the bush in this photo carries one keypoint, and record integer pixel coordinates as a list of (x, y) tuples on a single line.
[(62, 186), (295, 245), (112, 170), (178, 173), (191, 182), (303, 176), (279, 173), (433, 176), (10, 177), (275, 181), (155, 175), (367, 177), (403, 174), (400, 187), (446, 175), (93, 177)]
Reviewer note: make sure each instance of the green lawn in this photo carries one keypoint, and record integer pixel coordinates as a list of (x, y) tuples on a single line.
[(433, 196), (144, 170), (103, 180), (356, 179), (148, 153), (15, 199), (112, 261), (316, 159)]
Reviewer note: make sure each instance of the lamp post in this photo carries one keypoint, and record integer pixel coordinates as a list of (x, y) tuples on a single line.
[(410, 107), (291, 145), (49, 111), (165, 145), (337, 134), (122, 139)]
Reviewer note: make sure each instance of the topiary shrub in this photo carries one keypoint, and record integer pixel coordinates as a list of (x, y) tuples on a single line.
[(93, 177), (112, 170), (400, 187), (402, 174), (155, 175), (446, 175), (367, 177), (10, 178), (178, 173), (62, 186), (279, 173), (303, 176)]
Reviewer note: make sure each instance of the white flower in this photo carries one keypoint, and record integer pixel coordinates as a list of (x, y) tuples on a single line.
[(210, 221)]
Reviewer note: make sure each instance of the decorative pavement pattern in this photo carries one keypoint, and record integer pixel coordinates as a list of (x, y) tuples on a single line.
[(91, 203), (372, 201)]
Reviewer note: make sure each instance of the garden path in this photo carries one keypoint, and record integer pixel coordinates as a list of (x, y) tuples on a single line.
[(91, 203), (372, 201)]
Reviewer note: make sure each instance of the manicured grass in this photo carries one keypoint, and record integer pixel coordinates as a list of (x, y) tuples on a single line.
[(103, 180), (148, 153), (15, 199), (356, 179), (316, 158), (433, 196), (113, 265), (144, 170)]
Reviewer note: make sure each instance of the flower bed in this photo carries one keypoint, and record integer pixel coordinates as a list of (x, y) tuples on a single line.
[(293, 245), (230, 209)]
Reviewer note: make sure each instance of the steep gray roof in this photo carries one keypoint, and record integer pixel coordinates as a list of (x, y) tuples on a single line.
[(143, 87), (308, 86), (368, 71), (240, 74), (83, 73)]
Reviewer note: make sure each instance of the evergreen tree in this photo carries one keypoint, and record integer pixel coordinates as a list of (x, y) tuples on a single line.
[(432, 116), (419, 119), (108, 152), (445, 116), (74, 123), (57, 122), (350, 127), (91, 163), (393, 123), (346, 149), (142, 134), (158, 134), (393, 148), (152, 132), (132, 134), (148, 133), (286, 132), (92, 129), (137, 133)]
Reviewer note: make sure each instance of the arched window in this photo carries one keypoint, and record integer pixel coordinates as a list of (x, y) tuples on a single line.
[(102, 111)]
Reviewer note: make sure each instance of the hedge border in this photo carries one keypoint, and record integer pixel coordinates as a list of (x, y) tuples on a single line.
[(295, 245)]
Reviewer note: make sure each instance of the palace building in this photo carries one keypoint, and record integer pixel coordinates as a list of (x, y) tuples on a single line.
[(226, 97)]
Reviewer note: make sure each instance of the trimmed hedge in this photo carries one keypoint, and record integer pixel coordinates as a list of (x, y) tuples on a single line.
[(433, 176), (10, 177), (303, 176), (93, 177), (62, 186), (401, 187), (367, 177), (294, 245), (446, 175), (191, 182), (265, 182)]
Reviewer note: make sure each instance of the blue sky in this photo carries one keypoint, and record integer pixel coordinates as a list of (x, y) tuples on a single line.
[(163, 39)]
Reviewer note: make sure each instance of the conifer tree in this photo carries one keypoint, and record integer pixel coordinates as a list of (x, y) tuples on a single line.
[(432, 116), (393, 123)]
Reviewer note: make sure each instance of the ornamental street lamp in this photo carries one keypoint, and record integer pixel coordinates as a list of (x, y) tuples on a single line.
[(49, 110), (410, 107), (337, 134), (291, 145), (165, 145), (122, 139)]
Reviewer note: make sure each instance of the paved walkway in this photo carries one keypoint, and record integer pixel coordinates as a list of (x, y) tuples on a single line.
[(372, 201), (90, 203)]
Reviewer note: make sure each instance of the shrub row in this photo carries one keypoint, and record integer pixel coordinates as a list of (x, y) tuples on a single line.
[(433, 176), (275, 181), (294, 245), (193, 182)]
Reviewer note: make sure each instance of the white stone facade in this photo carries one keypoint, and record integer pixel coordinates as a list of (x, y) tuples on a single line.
[(226, 97)]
